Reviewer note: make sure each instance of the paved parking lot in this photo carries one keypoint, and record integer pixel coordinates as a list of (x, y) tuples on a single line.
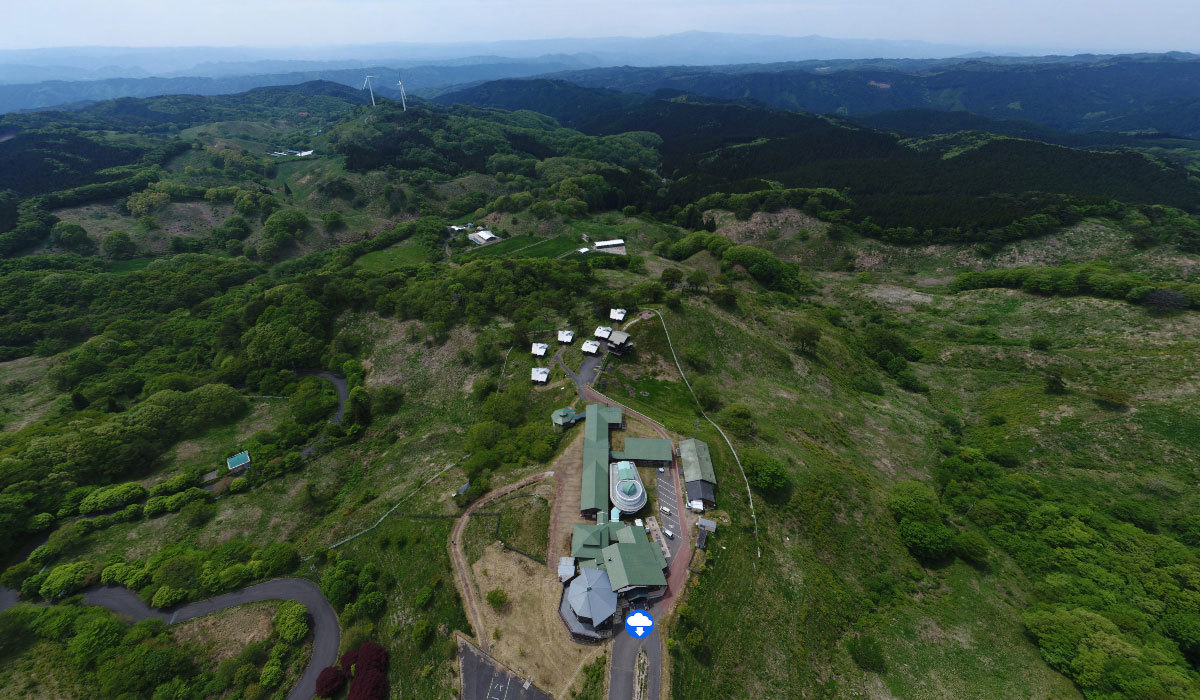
[(483, 679), (667, 497)]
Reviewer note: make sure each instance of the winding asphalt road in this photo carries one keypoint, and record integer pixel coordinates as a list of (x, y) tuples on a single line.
[(339, 385), (327, 634)]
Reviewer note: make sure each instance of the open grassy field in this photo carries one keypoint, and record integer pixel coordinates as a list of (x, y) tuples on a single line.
[(188, 219), (551, 248), (25, 394), (830, 533), (527, 633), (210, 450), (396, 256), (524, 522), (504, 247), (416, 556)]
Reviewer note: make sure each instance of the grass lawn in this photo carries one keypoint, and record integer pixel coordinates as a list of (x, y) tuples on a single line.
[(551, 248), (503, 247), (524, 522), (124, 267), (398, 255), (44, 670)]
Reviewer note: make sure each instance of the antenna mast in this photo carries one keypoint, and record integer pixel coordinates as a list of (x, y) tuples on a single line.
[(403, 97), (367, 86)]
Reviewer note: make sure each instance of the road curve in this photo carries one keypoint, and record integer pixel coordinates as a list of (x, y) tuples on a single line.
[(327, 634), (339, 385), (461, 569)]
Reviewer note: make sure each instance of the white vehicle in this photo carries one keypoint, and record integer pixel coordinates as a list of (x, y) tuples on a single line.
[(661, 470), (665, 509), (670, 535)]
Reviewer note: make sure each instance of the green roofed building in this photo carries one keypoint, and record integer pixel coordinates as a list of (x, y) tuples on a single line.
[(564, 418), (634, 565), (593, 489), (653, 451), (589, 541)]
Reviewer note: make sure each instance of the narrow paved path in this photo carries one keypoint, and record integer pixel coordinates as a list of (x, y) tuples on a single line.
[(327, 634), (461, 569), (587, 370), (339, 385), (624, 661)]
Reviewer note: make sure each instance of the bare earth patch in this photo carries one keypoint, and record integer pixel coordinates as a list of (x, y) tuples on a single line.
[(788, 222), (568, 470), (531, 638), (225, 634)]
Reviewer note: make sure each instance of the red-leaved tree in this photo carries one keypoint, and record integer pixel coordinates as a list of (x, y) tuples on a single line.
[(368, 684), (330, 682), (372, 656)]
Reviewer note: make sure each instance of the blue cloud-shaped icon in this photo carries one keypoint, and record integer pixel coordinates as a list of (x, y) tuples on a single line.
[(639, 623)]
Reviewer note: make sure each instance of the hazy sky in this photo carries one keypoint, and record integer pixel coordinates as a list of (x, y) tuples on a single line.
[(1155, 25)]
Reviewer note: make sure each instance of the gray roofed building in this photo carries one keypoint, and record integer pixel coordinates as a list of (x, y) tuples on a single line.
[(566, 568), (591, 596), (701, 491), (627, 494), (705, 524), (619, 342)]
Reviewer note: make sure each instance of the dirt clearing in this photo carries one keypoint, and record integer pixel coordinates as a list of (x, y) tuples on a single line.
[(225, 634), (568, 470), (526, 634)]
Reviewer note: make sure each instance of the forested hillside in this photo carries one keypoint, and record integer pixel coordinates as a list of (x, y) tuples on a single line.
[(955, 365), (968, 189)]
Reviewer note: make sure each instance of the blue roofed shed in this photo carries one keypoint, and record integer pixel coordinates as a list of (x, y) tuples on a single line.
[(238, 462)]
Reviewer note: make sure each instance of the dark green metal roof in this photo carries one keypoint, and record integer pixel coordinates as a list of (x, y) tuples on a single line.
[(593, 491), (645, 449), (697, 462)]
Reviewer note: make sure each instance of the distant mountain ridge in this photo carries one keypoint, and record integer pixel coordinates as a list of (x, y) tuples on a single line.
[(53, 94), (698, 48), (1123, 93)]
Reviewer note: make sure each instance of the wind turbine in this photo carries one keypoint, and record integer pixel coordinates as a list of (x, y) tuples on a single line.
[(367, 86), (403, 97)]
